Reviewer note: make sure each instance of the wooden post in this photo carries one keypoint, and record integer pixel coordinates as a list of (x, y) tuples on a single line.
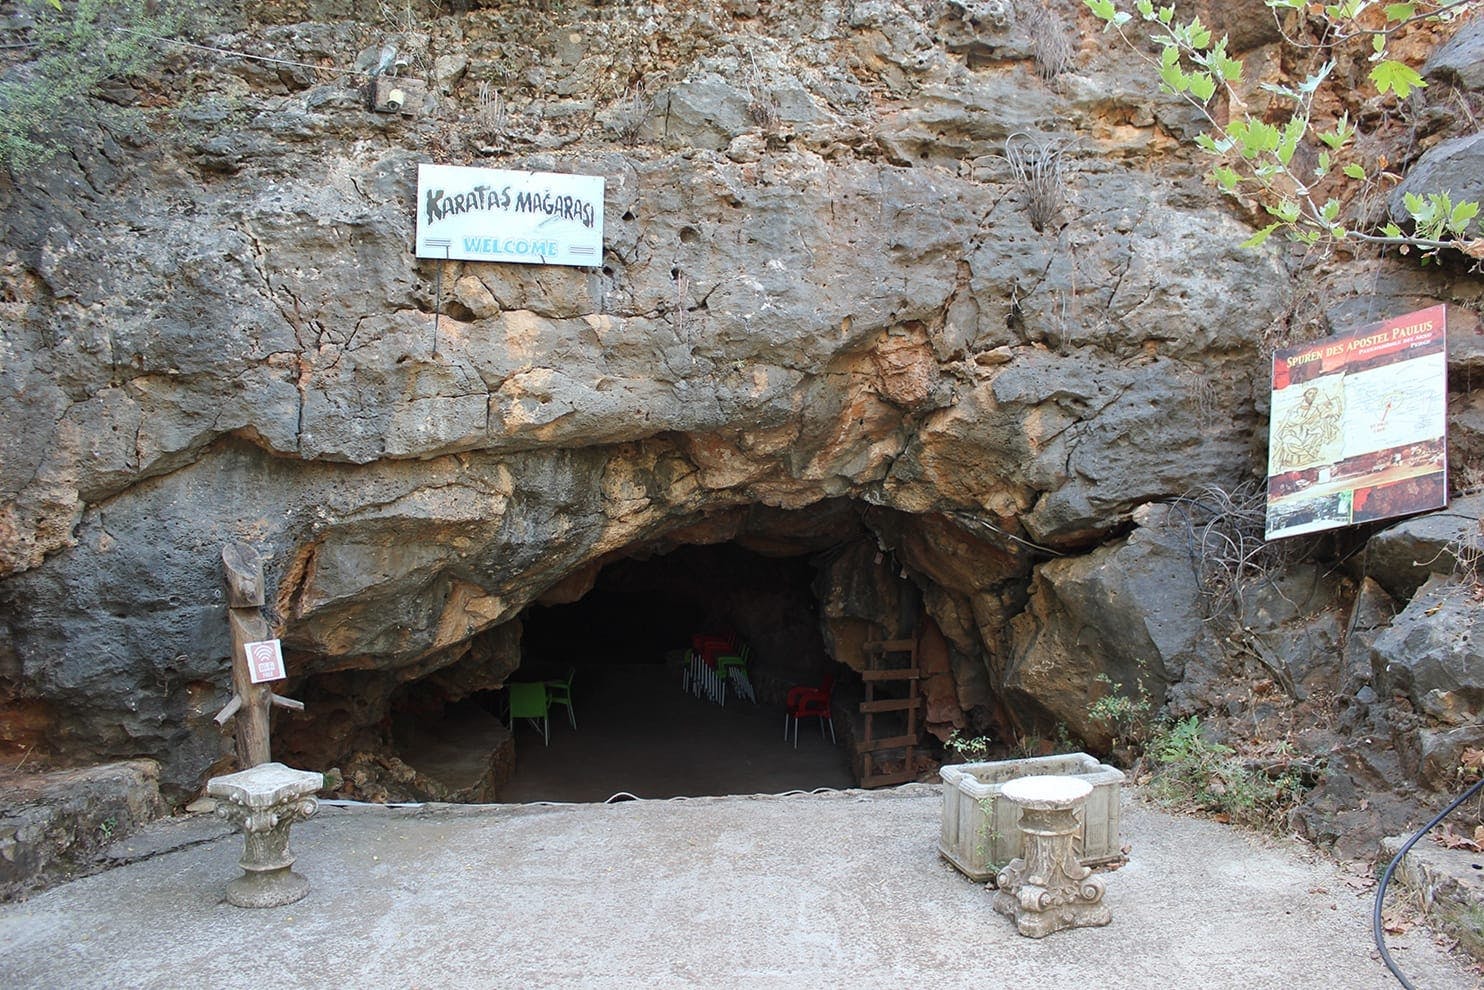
[(250, 702)]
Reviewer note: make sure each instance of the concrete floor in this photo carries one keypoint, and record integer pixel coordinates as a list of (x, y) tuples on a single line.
[(831, 890)]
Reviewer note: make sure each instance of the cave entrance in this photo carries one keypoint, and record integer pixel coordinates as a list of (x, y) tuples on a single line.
[(637, 731), (808, 590)]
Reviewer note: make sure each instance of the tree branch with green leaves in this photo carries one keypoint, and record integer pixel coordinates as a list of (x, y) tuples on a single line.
[(63, 52), (1256, 156)]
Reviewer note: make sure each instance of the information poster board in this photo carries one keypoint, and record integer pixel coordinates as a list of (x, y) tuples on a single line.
[(490, 214), (1358, 427)]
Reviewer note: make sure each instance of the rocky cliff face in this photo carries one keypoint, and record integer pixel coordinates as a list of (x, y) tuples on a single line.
[(830, 315)]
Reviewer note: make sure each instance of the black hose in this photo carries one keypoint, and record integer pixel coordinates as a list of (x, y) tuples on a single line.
[(1377, 929)]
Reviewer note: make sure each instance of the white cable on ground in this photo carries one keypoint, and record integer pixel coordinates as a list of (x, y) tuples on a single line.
[(618, 797)]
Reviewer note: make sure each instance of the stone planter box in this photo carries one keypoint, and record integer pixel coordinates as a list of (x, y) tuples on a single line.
[(979, 829)]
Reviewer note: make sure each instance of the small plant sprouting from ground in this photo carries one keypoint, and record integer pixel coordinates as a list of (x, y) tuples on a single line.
[(1051, 41), (762, 107), (988, 835), (1040, 172), (1467, 925), (1467, 550), (491, 113), (971, 749), (635, 110), (1124, 716), (762, 110), (1189, 772)]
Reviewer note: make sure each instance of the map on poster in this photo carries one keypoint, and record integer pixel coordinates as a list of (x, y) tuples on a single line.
[(1358, 426)]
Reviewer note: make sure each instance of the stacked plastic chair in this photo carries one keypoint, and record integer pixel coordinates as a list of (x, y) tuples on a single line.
[(714, 661), (733, 667)]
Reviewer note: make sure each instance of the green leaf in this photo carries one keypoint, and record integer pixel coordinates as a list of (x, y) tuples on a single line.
[(1202, 86), (1256, 239), (1330, 211), (1226, 178), (1170, 72), (1343, 132), (1462, 214), (1425, 210), (1281, 91), (1199, 34), (1391, 230), (1103, 10), (1354, 171), (1145, 9), (1378, 43), (1398, 77), (1314, 81), (1400, 11), (1286, 211), (1254, 136), (1166, 14), (1293, 131)]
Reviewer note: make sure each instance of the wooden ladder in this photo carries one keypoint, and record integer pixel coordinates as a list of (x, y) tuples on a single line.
[(879, 671)]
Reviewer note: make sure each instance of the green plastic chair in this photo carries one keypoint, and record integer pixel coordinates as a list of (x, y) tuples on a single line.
[(530, 701), (734, 668), (560, 693)]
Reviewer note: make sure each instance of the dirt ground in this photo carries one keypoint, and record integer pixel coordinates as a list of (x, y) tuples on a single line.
[(828, 890)]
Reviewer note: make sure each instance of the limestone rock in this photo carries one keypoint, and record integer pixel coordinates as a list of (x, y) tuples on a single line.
[(1403, 556), (1369, 617), (1454, 167), (1460, 59), (820, 294), (1246, 24), (1289, 621), (1122, 611), (1430, 654), (53, 823), (1442, 752)]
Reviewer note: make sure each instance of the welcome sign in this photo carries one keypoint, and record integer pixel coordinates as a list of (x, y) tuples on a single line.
[(489, 214)]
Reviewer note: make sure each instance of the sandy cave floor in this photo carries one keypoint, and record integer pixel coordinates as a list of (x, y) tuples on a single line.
[(637, 732)]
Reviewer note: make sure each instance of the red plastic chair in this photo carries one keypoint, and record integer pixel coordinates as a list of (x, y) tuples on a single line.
[(804, 701), (709, 645)]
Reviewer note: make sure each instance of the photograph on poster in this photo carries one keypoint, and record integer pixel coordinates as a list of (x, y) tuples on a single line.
[(1357, 426)]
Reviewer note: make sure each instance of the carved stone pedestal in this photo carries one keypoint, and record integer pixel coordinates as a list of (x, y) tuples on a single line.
[(1046, 889), (263, 803)]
